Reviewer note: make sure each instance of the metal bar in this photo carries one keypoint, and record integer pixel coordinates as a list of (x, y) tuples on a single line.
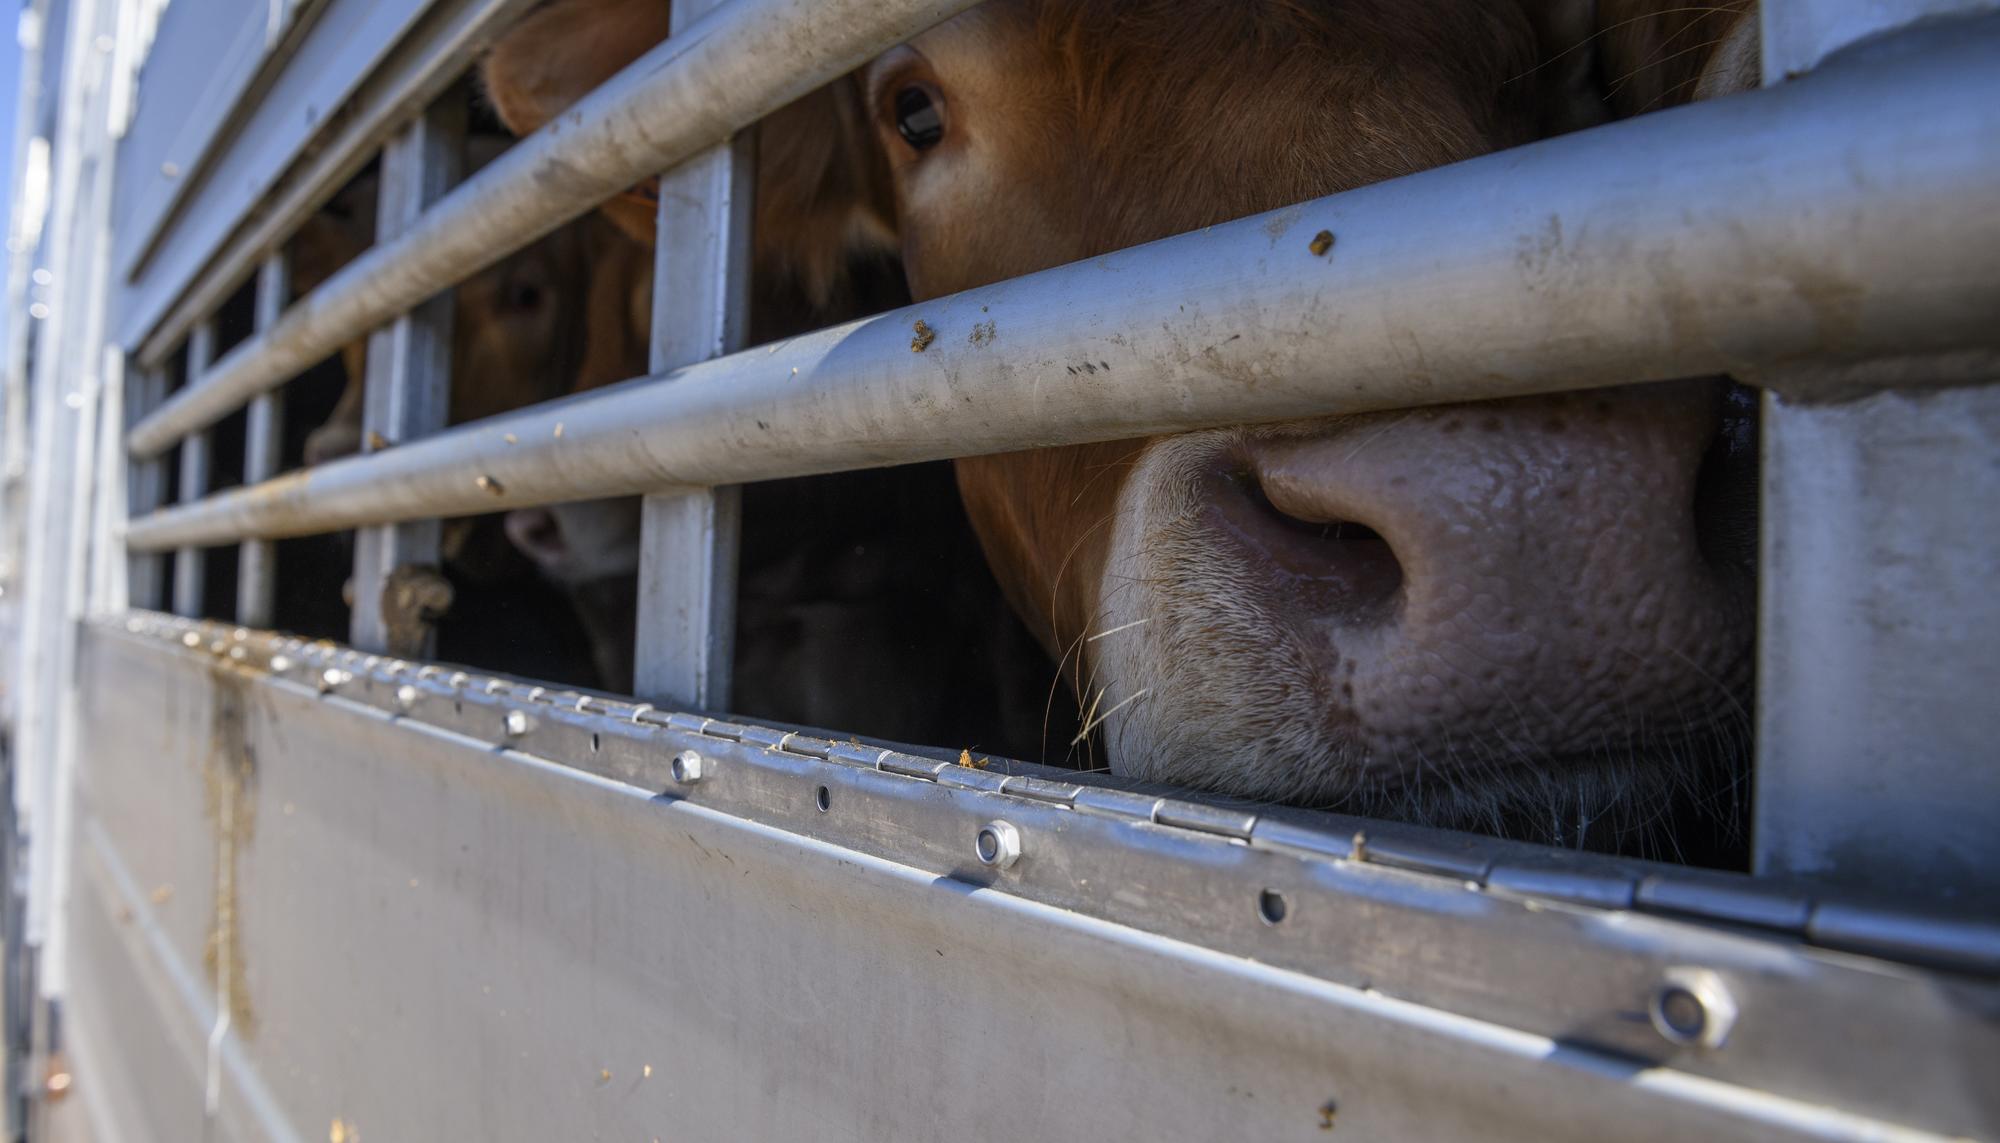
[(190, 562), (107, 585), (28, 180), (69, 356), (1557, 266), (729, 70), (416, 73), (688, 540), (409, 380), (146, 577), (263, 442), (1880, 631)]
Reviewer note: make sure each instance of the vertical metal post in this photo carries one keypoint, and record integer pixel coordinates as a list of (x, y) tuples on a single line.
[(107, 583), (409, 387), (146, 571), (191, 564), (688, 539), (263, 441), (1880, 626)]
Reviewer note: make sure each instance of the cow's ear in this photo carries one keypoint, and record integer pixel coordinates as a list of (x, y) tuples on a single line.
[(823, 192), (561, 51)]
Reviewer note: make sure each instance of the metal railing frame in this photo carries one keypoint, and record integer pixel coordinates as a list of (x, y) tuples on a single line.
[(1429, 295), (1548, 268)]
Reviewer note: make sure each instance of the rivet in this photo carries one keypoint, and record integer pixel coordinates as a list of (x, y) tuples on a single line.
[(519, 723), (406, 696), (687, 767), (1692, 1008), (997, 844), (280, 664)]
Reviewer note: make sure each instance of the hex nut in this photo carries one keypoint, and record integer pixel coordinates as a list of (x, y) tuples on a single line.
[(997, 844), (1692, 1008), (687, 767)]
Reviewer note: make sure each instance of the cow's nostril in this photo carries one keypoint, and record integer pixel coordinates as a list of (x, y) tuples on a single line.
[(1333, 566), (537, 533), (1331, 531)]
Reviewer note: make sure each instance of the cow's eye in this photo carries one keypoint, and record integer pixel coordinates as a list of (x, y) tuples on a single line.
[(523, 296), (918, 118)]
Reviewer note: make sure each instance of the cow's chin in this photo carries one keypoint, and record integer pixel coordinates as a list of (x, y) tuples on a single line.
[(1218, 662)]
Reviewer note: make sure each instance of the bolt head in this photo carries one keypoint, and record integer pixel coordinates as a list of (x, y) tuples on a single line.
[(687, 767), (519, 723), (1692, 1008), (997, 844), (406, 696)]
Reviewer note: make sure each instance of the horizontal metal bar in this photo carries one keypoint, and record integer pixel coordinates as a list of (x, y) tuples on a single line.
[(1563, 265), (725, 72)]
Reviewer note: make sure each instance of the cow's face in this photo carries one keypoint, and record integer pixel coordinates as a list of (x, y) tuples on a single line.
[(517, 330), (518, 326), (1459, 613)]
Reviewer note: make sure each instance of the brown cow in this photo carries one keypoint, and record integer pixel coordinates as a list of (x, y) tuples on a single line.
[(1525, 615), (517, 326)]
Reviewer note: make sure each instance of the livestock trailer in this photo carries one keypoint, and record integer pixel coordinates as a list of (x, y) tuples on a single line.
[(270, 885)]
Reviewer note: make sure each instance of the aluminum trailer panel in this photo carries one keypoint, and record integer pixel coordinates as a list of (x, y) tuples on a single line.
[(418, 932)]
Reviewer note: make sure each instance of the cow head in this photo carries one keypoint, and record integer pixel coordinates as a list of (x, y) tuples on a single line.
[(518, 326), (1480, 614)]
